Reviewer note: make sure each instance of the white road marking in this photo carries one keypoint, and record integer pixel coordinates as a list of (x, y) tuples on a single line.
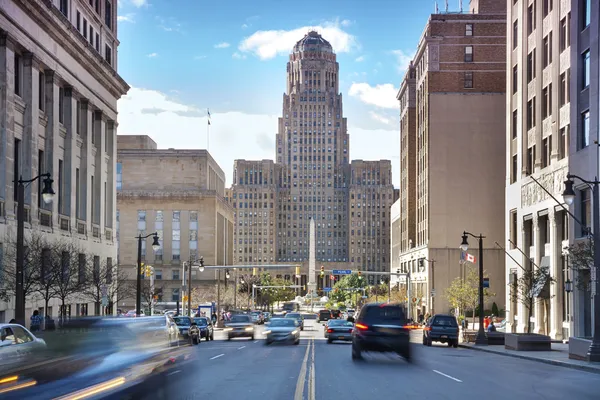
[(299, 393), (447, 376), (174, 372), (220, 355), (239, 348), (256, 341)]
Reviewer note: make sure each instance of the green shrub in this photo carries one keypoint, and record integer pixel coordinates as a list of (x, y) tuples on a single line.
[(495, 310)]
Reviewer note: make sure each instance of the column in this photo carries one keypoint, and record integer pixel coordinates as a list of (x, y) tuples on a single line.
[(539, 325), (30, 124), (6, 131), (99, 137), (52, 126), (68, 162), (111, 175), (84, 169), (522, 313), (556, 289)]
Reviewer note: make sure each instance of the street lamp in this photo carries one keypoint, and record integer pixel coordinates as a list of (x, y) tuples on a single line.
[(199, 263), (155, 247), (464, 246), (593, 353), (47, 197), (568, 286), (227, 275)]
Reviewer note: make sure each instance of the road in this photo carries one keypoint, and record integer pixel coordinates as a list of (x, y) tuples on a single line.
[(247, 369)]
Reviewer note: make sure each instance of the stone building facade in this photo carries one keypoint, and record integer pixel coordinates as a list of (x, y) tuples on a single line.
[(180, 195), (312, 178), (59, 88), (452, 102)]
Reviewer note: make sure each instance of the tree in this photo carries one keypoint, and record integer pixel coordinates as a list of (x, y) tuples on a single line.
[(99, 276), (149, 293), (581, 259), (245, 285), (463, 294), (34, 243), (531, 288), (121, 288), (69, 266)]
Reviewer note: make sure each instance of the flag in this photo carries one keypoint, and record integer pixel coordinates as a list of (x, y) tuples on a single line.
[(470, 258), (208, 114)]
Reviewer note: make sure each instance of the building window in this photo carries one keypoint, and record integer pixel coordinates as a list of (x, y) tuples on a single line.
[(469, 30), (564, 88), (16, 168), (515, 34), (91, 35), (158, 227), (18, 75), (158, 274), (78, 21), (547, 52), (515, 79), (108, 54), (546, 7), (546, 150), (119, 176), (141, 221), (531, 19), (586, 13), (176, 238), (77, 194), (564, 36), (469, 54), (98, 42), (586, 212), (531, 114), (108, 14), (585, 71), (85, 29), (61, 191), (530, 160), (64, 7), (515, 124), (563, 143), (40, 171), (175, 274), (469, 80), (584, 138), (547, 101), (515, 169), (513, 228), (61, 105), (41, 91), (531, 66), (193, 244)]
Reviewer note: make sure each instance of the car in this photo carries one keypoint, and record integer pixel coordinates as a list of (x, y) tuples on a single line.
[(324, 315), (257, 317), (298, 317), (441, 328), (380, 327), (283, 330), (183, 323), (206, 328), (339, 329), (18, 345), (194, 333), (240, 325)]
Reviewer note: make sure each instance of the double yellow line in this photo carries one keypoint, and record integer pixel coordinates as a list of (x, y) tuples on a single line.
[(305, 369)]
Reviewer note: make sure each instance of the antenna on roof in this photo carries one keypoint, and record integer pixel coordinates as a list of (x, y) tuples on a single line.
[(460, 5), (437, 11)]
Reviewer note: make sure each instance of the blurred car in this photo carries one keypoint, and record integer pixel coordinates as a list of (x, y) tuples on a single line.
[(298, 317), (184, 324), (283, 330), (380, 327), (441, 328), (240, 325), (335, 314), (339, 329), (350, 313), (267, 316), (257, 317), (207, 330), (324, 315), (18, 345)]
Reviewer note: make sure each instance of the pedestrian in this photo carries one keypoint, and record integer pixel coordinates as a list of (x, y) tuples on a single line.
[(12, 321), (36, 321), (491, 327)]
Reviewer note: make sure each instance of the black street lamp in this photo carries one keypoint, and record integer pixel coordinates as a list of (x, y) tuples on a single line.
[(155, 247), (199, 263), (47, 196), (593, 353), (464, 246)]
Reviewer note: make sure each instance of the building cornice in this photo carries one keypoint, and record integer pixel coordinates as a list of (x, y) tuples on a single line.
[(167, 194), (60, 29)]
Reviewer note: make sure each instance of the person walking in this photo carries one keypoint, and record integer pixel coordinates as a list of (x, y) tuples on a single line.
[(36, 321)]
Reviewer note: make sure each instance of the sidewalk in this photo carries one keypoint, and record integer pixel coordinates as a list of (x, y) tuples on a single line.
[(558, 356)]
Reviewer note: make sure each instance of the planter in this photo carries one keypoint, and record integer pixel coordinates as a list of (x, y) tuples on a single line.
[(578, 348), (496, 339), (527, 342)]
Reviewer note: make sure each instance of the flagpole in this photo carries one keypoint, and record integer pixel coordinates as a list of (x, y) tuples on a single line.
[(207, 129)]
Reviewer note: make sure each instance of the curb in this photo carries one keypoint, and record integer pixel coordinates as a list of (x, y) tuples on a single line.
[(541, 360)]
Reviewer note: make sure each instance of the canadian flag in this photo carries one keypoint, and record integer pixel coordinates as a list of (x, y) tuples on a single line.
[(470, 258)]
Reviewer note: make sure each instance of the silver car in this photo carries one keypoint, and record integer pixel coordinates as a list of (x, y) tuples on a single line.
[(283, 330), (17, 345)]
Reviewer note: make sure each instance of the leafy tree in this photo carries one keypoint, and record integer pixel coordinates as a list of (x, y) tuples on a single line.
[(581, 259), (529, 289), (463, 294)]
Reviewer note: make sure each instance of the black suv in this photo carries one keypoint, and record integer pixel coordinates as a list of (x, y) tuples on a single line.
[(380, 327), (441, 328)]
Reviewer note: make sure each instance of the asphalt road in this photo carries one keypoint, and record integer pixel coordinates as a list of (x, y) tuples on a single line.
[(247, 369)]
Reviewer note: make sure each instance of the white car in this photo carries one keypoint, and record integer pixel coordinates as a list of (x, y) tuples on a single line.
[(17, 345)]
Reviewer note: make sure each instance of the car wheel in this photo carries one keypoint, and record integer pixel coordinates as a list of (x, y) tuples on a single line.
[(424, 341), (252, 337), (449, 343), (297, 342), (195, 340), (455, 344), (267, 342), (329, 340), (356, 353), (429, 342), (228, 337)]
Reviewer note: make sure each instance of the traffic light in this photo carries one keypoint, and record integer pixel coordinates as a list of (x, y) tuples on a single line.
[(322, 270), (332, 277), (253, 271), (359, 274), (297, 272), (185, 298)]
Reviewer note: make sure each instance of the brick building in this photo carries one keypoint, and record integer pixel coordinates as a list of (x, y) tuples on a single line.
[(452, 103)]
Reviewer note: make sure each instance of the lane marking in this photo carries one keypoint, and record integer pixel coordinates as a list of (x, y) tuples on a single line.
[(256, 341), (174, 372), (220, 355), (312, 379), (447, 376), (239, 348), (299, 394)]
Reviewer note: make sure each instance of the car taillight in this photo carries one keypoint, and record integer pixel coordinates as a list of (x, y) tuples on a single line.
[(361, 327), (427, 328), (329, 330), (350, 330)]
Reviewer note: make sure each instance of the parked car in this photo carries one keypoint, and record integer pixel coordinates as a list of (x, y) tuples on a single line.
[(206, 328), (441, 328)]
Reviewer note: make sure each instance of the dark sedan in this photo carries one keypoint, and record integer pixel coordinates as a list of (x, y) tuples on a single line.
[(206, 328), (381, 328), (339, 329), (441, 328)]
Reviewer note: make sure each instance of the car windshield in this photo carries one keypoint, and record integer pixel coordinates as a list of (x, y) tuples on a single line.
[(240, 318), (255, 312), (444, 320), (293, 315), (339, 322), (182, 321), (201, 321), (276, 323), (385, 313)]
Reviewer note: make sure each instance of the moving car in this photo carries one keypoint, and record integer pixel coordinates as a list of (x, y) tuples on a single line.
[(184, 324), (206, 328), (324, 315), (257, 317), (297, 317), (241, 325), (380, 327), (441, 328), (339, 329), (283, 330), (18, 345)]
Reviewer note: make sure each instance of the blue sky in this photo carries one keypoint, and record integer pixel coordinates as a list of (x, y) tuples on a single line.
[(184, 56)]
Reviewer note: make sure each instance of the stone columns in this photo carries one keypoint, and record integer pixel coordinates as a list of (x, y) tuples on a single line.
[(84, 169), (51, 97), (69, 122), (538, 248), (30, 123), (6, 124), (523, 314), (556, 288), (99, 126)]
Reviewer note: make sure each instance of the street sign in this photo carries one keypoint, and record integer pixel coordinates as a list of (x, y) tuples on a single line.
[(327, 289), (342, 272), (486, 282)]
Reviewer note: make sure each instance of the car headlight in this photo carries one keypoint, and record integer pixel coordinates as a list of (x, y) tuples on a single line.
[(228, 329), (266, 332), (249, 328), (294, 332)]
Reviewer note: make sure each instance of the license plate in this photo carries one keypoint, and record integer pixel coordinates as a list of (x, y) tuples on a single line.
[(444, 337)]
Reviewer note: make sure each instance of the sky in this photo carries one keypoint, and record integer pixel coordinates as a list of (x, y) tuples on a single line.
[(184, 57)]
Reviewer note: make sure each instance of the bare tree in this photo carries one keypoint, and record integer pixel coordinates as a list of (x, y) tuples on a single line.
[(70, 268), (149, 294), (581, 259), (99, 278), (121, 288)]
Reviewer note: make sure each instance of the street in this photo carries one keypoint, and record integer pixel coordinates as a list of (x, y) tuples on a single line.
[(247, 369)]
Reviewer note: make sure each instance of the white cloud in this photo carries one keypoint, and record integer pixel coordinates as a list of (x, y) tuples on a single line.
[(346, 23), (244, 26), (152, 55), (139, 3), (199, 57), (403, 59), (223, 45), (380, 118), (268, 44), (360, 59), (169, 25), (173, 124), (126, 18), (238, 56), (383, 96)]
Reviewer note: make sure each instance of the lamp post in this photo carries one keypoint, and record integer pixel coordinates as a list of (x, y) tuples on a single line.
[(199, 263), (593, 353), (47, 196), (464, 246), (138, 294)]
